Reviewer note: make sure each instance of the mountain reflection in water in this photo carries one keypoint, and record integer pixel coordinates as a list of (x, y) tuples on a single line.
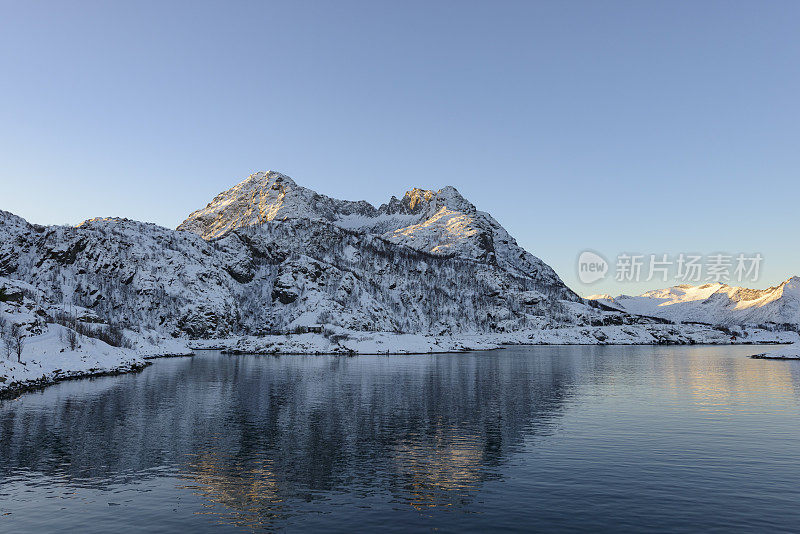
[(319, 442)]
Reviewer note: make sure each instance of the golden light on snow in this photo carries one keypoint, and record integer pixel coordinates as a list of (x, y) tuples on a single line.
[(448, 225)]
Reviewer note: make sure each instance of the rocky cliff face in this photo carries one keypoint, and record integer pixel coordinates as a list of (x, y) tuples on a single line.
[(442, 223), (268, 256)]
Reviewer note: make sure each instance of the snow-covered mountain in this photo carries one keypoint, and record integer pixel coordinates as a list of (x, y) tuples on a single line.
[(268, 256), (427, 272), (441, 222), (717, 303)]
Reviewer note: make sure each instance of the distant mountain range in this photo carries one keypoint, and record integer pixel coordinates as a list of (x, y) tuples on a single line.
[(716, 303)]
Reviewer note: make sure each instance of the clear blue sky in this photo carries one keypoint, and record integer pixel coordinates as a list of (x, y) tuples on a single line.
[(635, 126)]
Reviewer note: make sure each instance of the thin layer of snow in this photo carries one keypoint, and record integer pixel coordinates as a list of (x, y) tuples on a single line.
[(348, 342), (46, 358), (789, 352)]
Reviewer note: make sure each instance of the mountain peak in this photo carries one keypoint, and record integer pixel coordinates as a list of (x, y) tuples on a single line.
[(450, 197), (258, 185), (264, 197), (270, 195), (439, 222), (415, 197), (270, 178), (417, 200)]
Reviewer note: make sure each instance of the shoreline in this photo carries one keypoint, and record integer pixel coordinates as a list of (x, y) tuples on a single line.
[(15, 389), (170, 355), (789, 352), (766, 356), (239, 352)]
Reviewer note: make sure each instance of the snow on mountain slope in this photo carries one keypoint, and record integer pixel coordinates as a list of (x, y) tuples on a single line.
[(447, 223), (717, 304), (437, 222), (271, 278), (271, 257), (50, 351), (267, 196), (268, 258)]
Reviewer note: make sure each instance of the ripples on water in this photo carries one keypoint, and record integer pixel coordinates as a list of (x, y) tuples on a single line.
[(527, 438)]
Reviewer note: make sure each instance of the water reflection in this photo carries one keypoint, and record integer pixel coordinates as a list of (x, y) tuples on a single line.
[(251, 433), (724, 384), (247, 492), (261, 439)]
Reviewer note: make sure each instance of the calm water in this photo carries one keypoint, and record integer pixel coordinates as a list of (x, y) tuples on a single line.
[(533, 438)]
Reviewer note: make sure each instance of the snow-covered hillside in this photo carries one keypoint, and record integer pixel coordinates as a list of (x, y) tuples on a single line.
[(271, 266), (42, 342), (271, 257), (717, 303)]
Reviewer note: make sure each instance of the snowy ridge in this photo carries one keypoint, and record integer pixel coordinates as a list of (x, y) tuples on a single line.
[(264, 197), (437, 222), (717, 303)]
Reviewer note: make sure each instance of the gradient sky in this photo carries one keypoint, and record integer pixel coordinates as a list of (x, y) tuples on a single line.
[(649, 127)]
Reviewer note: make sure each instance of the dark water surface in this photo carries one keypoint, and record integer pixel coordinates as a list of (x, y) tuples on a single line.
[(531, 438)]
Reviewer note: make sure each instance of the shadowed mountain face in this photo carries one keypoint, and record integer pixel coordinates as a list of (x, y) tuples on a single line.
[(268, 256)]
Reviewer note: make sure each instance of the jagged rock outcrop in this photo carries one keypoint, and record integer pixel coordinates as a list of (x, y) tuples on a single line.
[(440, 222)]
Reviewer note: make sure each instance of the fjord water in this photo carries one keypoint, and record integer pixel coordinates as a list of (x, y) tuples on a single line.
[(526, 438)]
